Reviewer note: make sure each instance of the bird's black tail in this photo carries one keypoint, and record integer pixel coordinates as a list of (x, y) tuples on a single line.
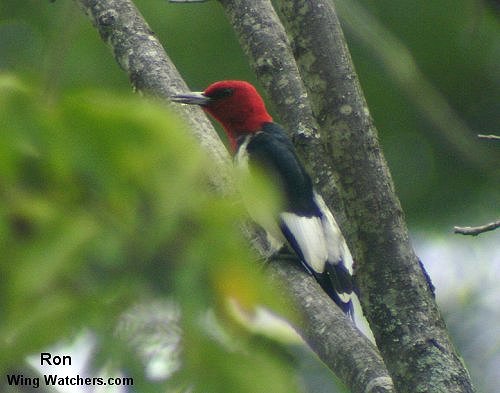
[(338, 283)]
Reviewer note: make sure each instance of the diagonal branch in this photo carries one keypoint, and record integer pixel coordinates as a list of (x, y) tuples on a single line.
[(141, 56)]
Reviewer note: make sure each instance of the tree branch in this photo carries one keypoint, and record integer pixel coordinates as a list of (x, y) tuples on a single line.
[(474, 231), (398, 301), (341, 346)]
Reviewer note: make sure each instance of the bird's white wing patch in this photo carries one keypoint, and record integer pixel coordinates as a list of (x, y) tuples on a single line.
[(336, 244), (308, 233)]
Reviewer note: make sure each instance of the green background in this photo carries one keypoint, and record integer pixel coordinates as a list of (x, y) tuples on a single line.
[(455, 46)]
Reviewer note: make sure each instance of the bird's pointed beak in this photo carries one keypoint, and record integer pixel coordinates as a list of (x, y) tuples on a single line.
[(193, 98)]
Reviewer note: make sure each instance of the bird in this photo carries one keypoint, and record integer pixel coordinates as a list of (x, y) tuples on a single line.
[(304, 223)]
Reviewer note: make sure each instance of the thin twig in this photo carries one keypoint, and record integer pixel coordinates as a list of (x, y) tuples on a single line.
[(489, 137), (474, 231)]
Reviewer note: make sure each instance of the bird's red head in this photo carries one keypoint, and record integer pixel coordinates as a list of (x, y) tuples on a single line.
[(235, 104)]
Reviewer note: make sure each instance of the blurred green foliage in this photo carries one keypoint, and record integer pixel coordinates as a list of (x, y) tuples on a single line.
[(106, 204)]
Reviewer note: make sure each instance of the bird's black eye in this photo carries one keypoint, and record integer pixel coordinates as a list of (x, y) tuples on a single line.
[(220, 93)]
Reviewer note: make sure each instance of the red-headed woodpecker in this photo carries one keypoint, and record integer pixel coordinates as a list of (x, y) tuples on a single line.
[(305, 223)]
